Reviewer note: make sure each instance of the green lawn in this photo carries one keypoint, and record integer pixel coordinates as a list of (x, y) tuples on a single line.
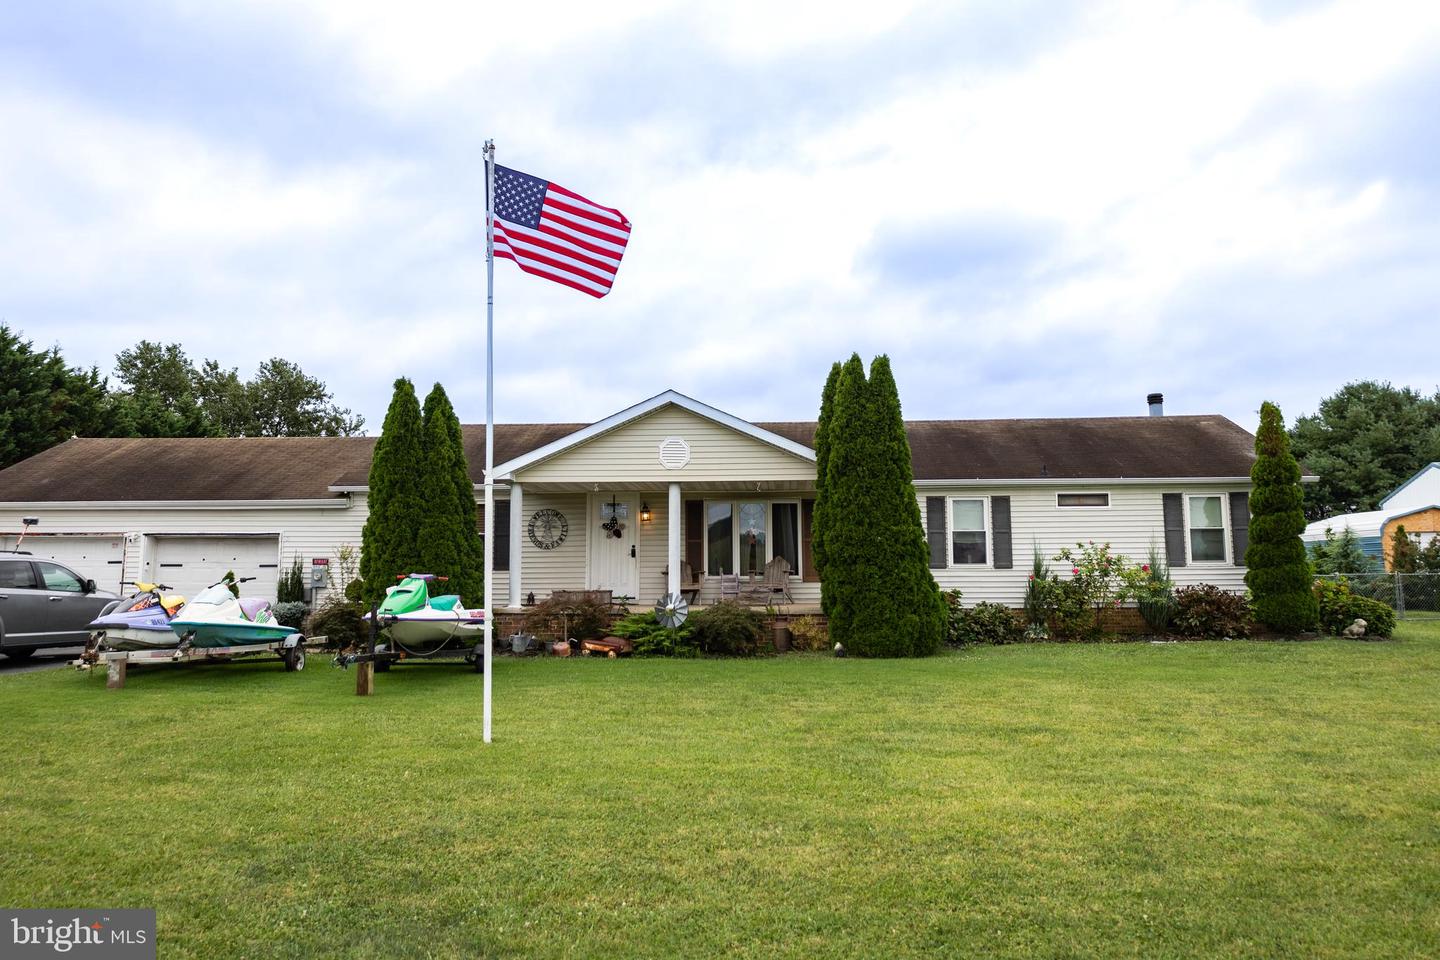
[(1208, 799)]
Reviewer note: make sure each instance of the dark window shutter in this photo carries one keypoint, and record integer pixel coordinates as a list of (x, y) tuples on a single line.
[(1240, 525), (500, 542), (1000, 520), (808, 573), (695, 536), (935, 530), (1174, 530)]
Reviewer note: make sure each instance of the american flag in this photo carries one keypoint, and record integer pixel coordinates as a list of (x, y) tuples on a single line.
[(557, 234)]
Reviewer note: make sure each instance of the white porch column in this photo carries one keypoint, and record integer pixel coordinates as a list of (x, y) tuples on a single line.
[(517, 527), (673, 517)]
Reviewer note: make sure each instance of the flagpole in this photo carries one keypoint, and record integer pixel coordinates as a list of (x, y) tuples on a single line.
[(489, 425)]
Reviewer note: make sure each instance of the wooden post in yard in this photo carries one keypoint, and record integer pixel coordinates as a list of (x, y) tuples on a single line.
[(364, 678), (365, 672), (115, 674)]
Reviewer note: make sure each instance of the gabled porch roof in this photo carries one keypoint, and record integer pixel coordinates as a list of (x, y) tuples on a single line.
[(506, 471)]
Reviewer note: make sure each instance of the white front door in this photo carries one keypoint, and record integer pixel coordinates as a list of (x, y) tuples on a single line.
[(614, 562)]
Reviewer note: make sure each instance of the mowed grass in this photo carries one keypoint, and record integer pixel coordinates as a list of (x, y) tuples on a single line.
[(1198, 800)]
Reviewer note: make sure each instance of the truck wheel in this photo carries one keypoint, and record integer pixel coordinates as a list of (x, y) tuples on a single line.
[(20, 653)]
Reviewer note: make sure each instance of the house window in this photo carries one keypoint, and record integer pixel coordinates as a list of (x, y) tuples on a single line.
[(1207, 529), (787, 533), (720, 544), (743, 536), (967, 531), (1082, 499), (753, 542)]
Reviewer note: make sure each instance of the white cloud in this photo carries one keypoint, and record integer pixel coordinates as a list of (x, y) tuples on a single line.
[(1153, 142)]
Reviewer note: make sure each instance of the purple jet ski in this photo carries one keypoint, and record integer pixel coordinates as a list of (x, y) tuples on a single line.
[(140, 621)]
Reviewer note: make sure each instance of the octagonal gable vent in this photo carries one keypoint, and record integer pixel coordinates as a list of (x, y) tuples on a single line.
[(674, 453)]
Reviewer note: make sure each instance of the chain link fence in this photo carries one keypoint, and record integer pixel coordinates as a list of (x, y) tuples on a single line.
[(1415, 596)]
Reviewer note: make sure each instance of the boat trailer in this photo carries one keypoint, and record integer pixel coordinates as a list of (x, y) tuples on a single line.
[(290, 649)]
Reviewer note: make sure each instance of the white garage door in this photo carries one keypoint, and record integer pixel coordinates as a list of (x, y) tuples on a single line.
[(190, 564), (101, 559)]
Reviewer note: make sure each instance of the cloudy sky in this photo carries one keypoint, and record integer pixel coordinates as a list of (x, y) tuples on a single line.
[(1037, 209)]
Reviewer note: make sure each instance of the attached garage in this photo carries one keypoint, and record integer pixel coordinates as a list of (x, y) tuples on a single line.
[(96, 557), (189, 564)]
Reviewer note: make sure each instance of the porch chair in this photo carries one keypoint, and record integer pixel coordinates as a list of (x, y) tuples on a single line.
[(777, 580), (689, 583), (729, 586)]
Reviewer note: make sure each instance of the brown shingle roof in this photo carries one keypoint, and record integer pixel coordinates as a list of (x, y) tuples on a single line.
[(242, 468), (300, 468), (1068, 448)]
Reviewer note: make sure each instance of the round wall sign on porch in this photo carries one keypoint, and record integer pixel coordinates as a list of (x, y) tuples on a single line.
[(674, 453), (548, 528)]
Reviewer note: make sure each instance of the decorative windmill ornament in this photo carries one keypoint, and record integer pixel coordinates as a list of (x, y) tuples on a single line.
[(672, 610)]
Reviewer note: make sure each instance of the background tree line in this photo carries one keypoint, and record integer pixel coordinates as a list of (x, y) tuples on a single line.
[(1364, 441), (157, 392)]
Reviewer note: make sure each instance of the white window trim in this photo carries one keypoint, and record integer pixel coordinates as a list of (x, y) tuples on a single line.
[(1109, 500), (950, 534), (734, 503), (1224, 530)]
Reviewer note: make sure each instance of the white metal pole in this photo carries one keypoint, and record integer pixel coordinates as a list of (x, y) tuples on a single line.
[(488, 633)]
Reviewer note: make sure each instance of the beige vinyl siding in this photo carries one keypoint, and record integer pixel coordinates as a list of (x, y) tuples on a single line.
[(1132, 523), (654, 549), (631, 453), (545, 571)]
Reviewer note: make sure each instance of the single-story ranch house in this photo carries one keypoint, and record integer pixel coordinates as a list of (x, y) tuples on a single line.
[(631, 501)]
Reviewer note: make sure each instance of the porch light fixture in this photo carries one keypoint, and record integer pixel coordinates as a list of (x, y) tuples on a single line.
[(645, 515)]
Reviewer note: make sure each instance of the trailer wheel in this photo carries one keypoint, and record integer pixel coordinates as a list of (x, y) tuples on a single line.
[(295, 658), (478, 655), (382, 664)]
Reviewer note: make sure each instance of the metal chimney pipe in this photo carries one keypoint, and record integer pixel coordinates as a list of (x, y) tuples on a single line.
[(1157, 404)]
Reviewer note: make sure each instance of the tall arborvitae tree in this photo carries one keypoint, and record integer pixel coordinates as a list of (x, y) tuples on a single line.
[(916, 608), (822, 464), (1277, 568), (449, 540), (850, 572), (397, 498)]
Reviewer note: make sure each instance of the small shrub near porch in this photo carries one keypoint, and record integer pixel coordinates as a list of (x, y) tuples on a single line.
[(728, 630)]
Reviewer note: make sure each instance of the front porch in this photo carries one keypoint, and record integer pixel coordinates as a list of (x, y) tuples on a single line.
[(640, 544), (669, 496)]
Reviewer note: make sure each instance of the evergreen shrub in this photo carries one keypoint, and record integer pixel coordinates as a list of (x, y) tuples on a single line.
[(651, 639), (1278, 570), (986, 622), (1339, 607), (728, 629), (290, 613), (1205, 612)]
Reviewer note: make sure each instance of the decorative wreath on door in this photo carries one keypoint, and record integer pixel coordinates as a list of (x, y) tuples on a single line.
[(613, 525)]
